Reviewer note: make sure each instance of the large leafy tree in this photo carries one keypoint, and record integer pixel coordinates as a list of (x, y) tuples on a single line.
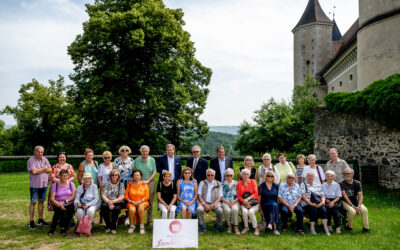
[(136, 76), (45, 117)]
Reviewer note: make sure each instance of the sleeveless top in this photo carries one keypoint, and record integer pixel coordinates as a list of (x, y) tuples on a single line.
[(252, 174), (92, 170)]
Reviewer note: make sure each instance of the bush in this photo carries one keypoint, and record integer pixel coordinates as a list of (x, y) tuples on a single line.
[(379, 101)]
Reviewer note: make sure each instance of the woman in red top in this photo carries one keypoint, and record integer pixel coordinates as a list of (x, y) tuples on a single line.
[(62, 164), (248, 197)]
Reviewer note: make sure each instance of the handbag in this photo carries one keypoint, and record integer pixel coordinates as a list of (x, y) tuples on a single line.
[(84, 225), (314, 198), (253, 202)]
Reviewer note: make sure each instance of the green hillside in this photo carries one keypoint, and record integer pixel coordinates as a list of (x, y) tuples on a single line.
[(215, 139)]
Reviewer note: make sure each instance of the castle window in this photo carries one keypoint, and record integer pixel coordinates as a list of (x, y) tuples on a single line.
[(312, 40), (312, 56), (351, 77), (333, 88), (340, 83), (308, 62)]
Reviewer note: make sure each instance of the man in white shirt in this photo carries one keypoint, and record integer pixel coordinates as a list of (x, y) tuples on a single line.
[(220, 164), (171, 163)]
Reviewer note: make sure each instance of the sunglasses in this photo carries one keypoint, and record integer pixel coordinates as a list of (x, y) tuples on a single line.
[(210, 175), (270, 176), (229, 175), (108, 157), (124, 150), (114, 175), (288, 177), (187, 173)]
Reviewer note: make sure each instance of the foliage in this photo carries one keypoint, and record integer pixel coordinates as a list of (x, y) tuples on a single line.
[(280, 125), (136, 76), (382, 204), (6, 144), (379, 101), (216, 139), (45, 117)]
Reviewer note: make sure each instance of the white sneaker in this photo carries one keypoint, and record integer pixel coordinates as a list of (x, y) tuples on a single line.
[(269, 226), (113, 231), (127, 223), (338, 230), (276, 232), (141, 230), (131, 229)]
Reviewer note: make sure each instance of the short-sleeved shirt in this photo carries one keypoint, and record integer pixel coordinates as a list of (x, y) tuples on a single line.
[(111, 192), (338, 168), (146, 167), (63, 192), (284, 170), (167, 192), (290, 196), (56, 169), (351, 190), (315, 188), (299, 174), (104, 173), (308, 169), (331, 191), (125, 168), (38, 180), (229, 192)]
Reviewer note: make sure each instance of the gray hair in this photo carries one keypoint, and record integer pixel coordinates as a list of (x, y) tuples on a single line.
[(37, 147), (330, 172), (312, 156), (196, 146), (229, 170), (245, 171), (352, 171), (210, 170), (143, 147), (310, 173), (123, 147), (266, 155), (333, 149), (248, 158), (289, 174), (170, 145)]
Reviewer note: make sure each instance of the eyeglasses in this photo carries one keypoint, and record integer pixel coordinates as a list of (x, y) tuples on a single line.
[(210, 175), (229, 175), (270, 176), (195, 152), (124, 150), (266, 159), (187, 173), (108, 157), (290, 178), (245, 174)]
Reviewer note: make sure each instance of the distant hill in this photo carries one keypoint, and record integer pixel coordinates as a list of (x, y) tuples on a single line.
[(215, 139), (225, 129)]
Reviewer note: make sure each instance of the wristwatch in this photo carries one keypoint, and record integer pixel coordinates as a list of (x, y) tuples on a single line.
[(65, 201)]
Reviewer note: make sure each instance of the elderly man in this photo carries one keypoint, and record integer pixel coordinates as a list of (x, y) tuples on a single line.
[(353, 199), (198, 164), (336, 164), (171, 163), (220, 164), (209, 196), (147, 165), (39, 169)]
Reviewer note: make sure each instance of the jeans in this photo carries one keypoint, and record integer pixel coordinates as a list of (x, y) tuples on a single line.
[(285, 214), (316, 213)]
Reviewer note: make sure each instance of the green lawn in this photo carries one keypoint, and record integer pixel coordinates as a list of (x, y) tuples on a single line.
[(383, 205)]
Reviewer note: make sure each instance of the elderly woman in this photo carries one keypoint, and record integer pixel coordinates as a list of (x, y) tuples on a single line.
[(112, 196), (230, 203), (248, 197), (124, 164), (187, 194), (62, 195), (249, 165), (333, 194), (62, 164), (166, 195), (314, 202), (289, 195), (105, 169), (87, 198), (137, 196), (88, 166), (313, 167), (301, 164), (268, 192), (267, 166)]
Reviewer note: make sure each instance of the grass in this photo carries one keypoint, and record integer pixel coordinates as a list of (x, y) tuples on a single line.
[(384, 217)]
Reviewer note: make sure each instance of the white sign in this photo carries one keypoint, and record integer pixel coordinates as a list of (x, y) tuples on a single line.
[(175, 233)]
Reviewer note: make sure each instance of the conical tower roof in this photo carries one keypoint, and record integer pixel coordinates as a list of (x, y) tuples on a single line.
[(336, 35), (312, 14)]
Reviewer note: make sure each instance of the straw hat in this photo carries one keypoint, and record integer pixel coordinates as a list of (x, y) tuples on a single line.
[(87, 175)]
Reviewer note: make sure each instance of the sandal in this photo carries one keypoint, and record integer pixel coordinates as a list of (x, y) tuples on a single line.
[(301, 232)]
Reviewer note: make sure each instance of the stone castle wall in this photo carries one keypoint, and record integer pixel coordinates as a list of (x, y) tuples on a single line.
[(361, 139)]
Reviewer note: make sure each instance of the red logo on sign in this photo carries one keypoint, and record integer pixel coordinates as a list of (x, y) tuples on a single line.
[(175, 227)]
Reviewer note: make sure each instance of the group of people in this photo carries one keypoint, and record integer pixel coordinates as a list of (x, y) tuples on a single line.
[(129, 184)]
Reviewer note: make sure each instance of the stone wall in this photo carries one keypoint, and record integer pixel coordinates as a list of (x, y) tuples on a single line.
[(362, 139)]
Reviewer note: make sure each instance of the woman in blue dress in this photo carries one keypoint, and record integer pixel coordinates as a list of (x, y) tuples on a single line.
[(268, 192), (187, 194)]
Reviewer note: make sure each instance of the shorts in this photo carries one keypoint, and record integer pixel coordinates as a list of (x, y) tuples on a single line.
[(38, 193)]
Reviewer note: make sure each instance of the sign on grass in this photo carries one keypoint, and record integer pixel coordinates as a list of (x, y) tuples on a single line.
[(175, 233)]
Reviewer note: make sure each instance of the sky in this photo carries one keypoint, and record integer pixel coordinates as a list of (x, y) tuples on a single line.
[(248, 44)]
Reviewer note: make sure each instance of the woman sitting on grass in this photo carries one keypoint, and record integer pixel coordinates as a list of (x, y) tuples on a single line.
[(62, 196)]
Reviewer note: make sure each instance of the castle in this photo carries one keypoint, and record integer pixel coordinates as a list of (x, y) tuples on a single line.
[(369, 50)]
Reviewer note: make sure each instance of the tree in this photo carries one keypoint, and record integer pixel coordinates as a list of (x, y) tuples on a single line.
[(44, 117), (136, 76)]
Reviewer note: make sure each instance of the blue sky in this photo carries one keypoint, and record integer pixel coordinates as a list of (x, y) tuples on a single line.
[(247, 43)]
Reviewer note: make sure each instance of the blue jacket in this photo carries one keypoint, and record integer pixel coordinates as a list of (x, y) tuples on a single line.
[(162, 164), (201, 168)]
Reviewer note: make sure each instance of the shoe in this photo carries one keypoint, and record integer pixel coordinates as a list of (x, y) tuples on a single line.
[(256, 232), (51, 232), (141, 230), (245, 230), (229, 229), (269, 226), (327, 233), (32, 225), (330, 228), (150, 223), (312, 232), (276, 232), (219, 228), (236, 229), (63, 232), (348, 228), (338, 230), (41, 222), (366, 230), (127, 223), (108, 230), (131, 229), (113, 231), (202, 228)]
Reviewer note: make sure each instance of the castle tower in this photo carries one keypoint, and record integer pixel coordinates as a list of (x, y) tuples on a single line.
[(378, 40), (313, 37)]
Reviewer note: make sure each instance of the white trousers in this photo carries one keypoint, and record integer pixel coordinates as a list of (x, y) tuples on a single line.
[(164, 212), (249, 213)]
